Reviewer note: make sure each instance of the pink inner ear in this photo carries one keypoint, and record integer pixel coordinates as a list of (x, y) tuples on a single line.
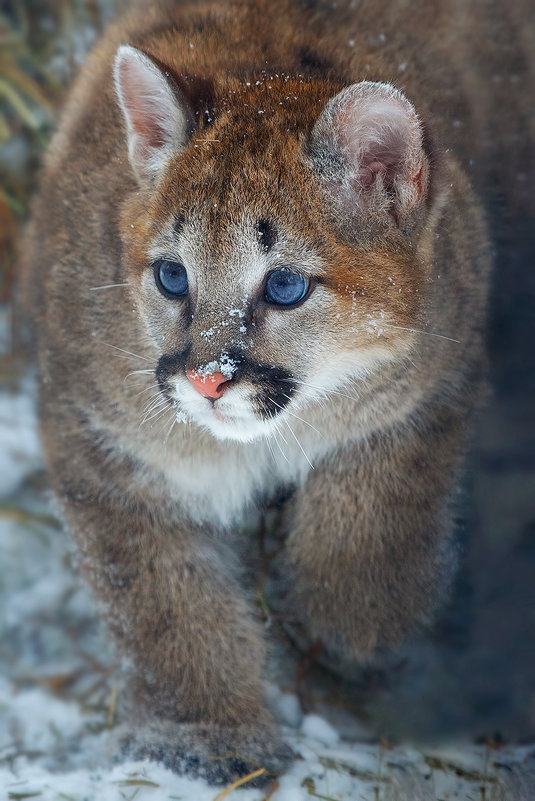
[(156, 116), (379, 131), (146, 126), (139, 94), (418, 183)]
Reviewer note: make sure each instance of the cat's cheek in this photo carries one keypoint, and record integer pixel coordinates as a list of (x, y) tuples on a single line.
[(165, 320), (299, 328)]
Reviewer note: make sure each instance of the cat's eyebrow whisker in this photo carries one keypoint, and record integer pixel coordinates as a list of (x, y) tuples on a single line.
[(106, 286), (419, 331), (128, 352), (300, 446)]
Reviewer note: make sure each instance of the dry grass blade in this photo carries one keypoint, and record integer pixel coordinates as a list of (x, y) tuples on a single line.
[(311, 789), (21, 796), (459, 770), (8, 232), (272, 790), (112, 707), (23, 516), (136, 783), (351, 770), (238, 783)]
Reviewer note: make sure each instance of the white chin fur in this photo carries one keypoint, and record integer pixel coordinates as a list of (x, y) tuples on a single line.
[(238, 431)]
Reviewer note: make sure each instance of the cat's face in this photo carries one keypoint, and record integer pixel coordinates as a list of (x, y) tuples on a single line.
[(262, 292)]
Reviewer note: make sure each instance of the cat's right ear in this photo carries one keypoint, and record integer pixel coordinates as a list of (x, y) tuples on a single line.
[(159, 121), (367, 151)]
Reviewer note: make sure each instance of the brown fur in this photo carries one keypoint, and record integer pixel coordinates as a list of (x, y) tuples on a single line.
[(367, 553)]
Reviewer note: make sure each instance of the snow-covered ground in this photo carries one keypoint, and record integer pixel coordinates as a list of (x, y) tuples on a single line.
[(59, 687)]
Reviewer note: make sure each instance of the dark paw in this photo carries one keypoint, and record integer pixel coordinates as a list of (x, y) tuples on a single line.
[(217, 754)]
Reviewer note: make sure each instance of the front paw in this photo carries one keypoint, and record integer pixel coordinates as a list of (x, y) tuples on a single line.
[(219, 754)]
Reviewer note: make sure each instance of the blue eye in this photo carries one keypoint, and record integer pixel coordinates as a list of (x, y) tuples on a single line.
[(285, 288), (171, 277)]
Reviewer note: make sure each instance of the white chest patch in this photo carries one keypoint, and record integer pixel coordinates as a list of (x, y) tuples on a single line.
[(219, 484)]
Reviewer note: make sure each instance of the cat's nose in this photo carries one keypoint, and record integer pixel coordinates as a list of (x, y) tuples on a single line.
[(209, 385)]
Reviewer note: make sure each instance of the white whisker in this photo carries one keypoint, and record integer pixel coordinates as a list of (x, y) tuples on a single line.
[(268, 443), (302, 418), (152, 386), (300, 446), (275, 432), (270, 447), (418, 331), (138, 372), (128, 352), (164, 420), (295, 415), (156, 414), (157, 395), (320, 389), (153, 404), (173, 423), (106, 286)]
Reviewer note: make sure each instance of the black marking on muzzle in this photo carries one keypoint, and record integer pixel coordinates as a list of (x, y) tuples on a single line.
[(168, 366), (274, 386)]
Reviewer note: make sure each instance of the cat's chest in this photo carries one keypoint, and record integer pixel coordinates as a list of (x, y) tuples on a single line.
[(221, 485)]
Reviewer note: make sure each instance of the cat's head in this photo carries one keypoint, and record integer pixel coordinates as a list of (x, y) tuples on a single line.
[(277, 238)]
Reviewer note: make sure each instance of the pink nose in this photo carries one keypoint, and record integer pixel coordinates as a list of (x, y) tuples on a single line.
[(209, 385)]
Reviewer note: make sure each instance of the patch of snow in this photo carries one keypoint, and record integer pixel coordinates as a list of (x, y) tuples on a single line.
[(317, 728), (286, 707), (20, 441)]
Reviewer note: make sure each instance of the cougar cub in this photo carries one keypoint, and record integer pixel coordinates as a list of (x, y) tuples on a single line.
[(256, 263)]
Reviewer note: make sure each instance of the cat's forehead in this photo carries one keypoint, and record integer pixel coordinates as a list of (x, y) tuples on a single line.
[(241, 191), (239, 248)]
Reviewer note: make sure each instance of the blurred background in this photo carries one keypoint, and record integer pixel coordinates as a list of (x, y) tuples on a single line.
[(474, 675), (41, 44)]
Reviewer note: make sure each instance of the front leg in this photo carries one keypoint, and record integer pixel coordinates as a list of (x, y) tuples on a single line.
[(369, 549), (178, 613)]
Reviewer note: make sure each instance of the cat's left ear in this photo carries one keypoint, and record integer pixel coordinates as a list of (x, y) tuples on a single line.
[(367, 150), (158, 117)]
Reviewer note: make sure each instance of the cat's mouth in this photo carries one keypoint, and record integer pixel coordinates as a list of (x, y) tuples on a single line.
[(243, 404), (225, 417), (239, 415)]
